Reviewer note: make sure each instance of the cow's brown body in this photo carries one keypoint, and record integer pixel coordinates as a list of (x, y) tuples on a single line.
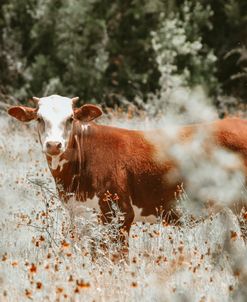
[(102, 158), (87, 159)]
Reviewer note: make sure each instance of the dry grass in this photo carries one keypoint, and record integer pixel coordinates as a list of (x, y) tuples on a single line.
[(44, 256)]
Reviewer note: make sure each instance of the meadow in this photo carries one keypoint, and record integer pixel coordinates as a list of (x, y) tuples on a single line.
[(46, 256)]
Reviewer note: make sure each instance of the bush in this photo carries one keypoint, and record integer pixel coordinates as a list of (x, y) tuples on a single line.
[(112, 52)]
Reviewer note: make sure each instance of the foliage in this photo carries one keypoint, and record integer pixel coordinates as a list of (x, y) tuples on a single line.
[(229, 32), (114, 51), (183, 60), (180, 49)]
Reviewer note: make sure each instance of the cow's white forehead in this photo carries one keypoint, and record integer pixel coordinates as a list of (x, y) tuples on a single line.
[(55, 107)]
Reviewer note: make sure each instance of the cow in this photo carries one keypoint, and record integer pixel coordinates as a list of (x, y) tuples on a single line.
[(87, 159)]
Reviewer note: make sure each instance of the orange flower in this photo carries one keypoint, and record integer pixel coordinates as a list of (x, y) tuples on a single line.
[(28, 293), (234, 235), (134, 284), (39, 285), (65, 244), (59, 290), (82, 284), (33, 268)]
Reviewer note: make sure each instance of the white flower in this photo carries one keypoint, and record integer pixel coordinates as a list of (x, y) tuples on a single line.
[(177, 41)]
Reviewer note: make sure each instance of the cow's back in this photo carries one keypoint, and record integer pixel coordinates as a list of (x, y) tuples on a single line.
[(232, 134)]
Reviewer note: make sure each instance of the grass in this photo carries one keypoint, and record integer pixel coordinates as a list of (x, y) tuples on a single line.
[(46, 256)]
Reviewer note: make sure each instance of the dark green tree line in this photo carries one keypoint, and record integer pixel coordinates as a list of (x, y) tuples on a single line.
[(109, 51)]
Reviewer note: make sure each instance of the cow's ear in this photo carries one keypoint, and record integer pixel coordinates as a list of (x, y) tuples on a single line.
[(22, 113), (87, 113)]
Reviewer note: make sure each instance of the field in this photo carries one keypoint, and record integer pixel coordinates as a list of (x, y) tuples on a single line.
[(41, 259)]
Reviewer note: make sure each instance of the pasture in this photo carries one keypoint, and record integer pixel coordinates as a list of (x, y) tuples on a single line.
[(41, 259)]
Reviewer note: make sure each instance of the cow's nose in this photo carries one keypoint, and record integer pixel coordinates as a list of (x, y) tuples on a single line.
[(53, 148), (53, 145)]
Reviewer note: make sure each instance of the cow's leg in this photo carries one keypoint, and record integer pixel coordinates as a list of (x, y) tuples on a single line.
[(126, 215)]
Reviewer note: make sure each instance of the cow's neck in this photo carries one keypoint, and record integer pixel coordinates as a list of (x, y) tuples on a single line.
[(56, 164)]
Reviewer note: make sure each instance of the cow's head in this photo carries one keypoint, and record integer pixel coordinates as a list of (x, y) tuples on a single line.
[(55, 115)]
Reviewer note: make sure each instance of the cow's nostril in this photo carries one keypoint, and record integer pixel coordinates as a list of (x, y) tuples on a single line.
[(53, 145)]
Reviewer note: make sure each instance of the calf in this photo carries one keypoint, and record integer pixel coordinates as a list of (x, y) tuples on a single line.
[(88, 160)]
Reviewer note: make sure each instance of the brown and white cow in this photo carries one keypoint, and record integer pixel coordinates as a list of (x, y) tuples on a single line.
[(88, 160)]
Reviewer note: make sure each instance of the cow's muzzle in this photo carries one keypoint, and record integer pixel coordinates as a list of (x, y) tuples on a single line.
[(53, 148)]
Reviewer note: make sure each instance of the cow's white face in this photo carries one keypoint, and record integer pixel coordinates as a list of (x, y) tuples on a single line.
[(55, 115)]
